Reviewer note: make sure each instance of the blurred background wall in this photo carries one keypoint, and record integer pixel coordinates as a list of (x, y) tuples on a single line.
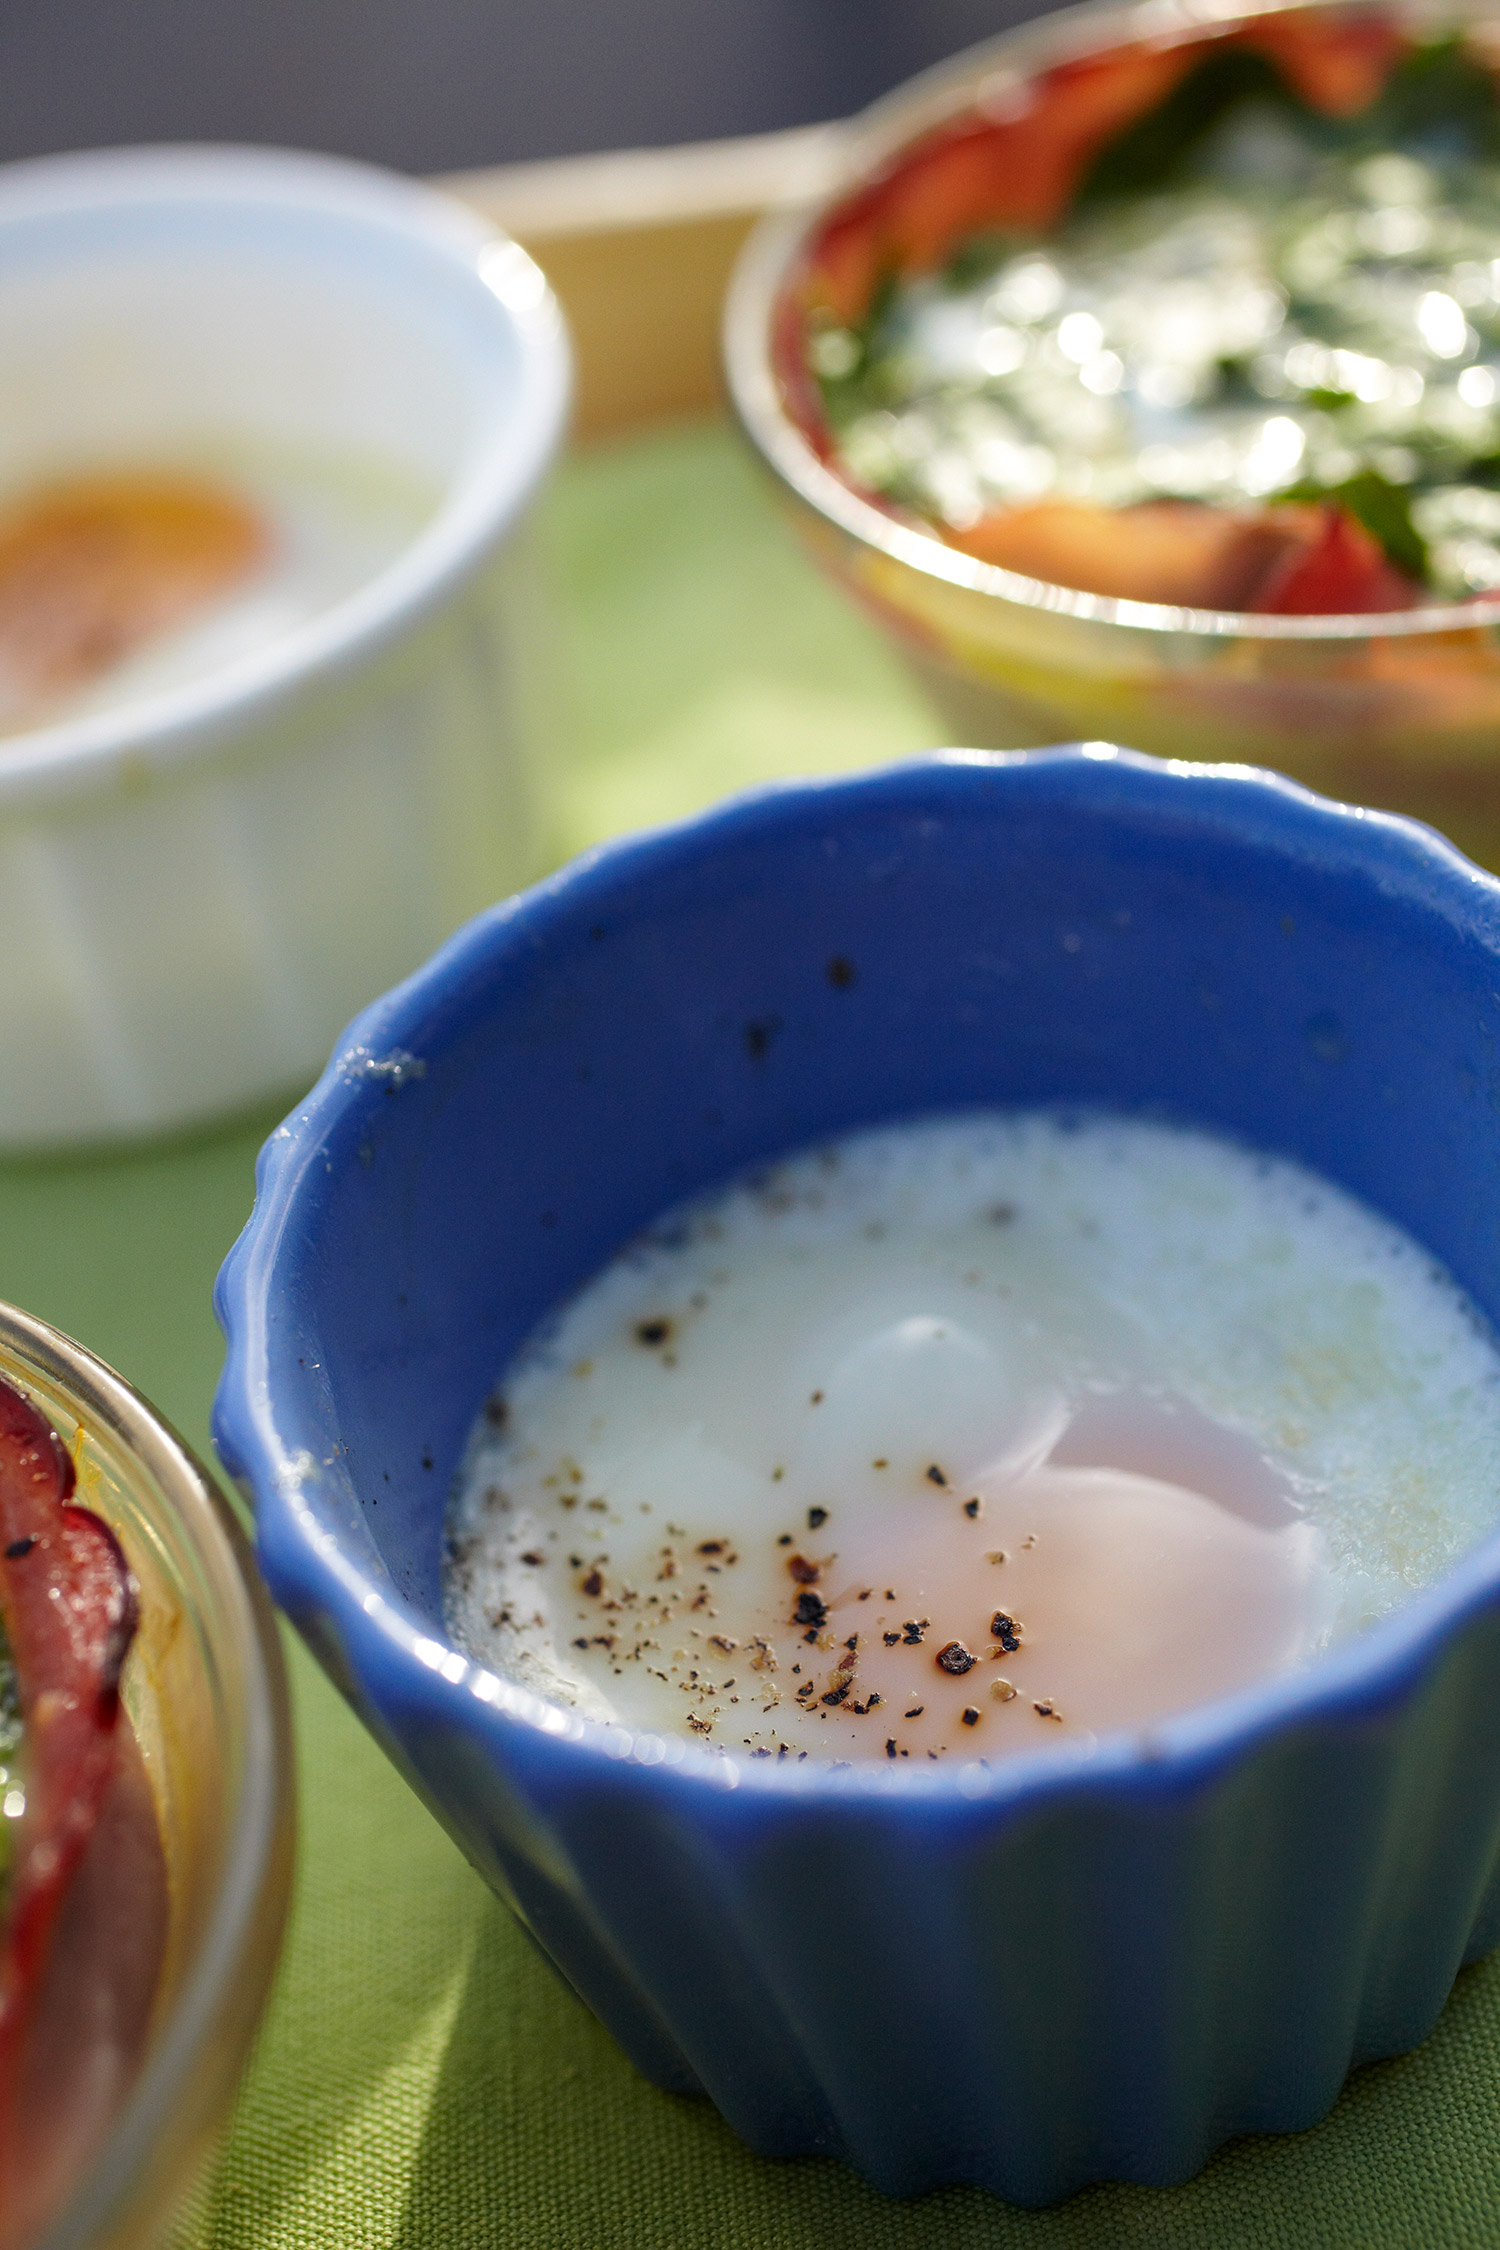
[(433, 85)]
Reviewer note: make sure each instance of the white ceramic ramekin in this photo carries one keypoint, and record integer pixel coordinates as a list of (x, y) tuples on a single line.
[(199, 888)]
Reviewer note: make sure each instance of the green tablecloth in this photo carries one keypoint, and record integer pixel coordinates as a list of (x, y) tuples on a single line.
[(423, 2082)]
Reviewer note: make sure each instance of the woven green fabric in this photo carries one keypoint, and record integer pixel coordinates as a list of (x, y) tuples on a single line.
[(423, 2082)]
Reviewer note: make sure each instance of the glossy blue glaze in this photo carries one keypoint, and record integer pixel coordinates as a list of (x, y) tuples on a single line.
[(1075, 1966)]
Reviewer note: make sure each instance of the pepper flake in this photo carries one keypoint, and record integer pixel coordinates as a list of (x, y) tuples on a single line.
[(955, 1658)]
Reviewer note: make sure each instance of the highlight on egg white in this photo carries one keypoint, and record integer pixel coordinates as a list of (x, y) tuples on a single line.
[(972, 1435)]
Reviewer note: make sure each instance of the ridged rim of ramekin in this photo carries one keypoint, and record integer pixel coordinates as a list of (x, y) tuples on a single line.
[(395, 1661), (241, 1936), (881, 132), (478, 507)]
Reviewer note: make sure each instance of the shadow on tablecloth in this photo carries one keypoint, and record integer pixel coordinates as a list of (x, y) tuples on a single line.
[(540, 2136)]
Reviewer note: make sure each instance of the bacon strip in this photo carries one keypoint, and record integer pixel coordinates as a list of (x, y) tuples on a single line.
[(1295, 560), (982, 172), (1173, 551), (69, 1602), (1337, 64)]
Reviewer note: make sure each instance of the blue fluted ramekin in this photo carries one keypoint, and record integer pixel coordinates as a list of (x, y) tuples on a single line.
[(1075, 1966)]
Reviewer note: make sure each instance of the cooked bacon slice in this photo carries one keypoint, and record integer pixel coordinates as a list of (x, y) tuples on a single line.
[(1335, 63), (1171, 551), (1289, 561), (87, 2026), (1023, 171), (69, 1603), (982, 172)]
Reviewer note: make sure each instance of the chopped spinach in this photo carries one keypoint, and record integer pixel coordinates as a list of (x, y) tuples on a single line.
[(1158, 149), (1439, 103)]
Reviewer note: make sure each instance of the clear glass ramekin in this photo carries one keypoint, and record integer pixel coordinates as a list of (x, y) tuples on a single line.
[(205, 1692), (1401, 711)]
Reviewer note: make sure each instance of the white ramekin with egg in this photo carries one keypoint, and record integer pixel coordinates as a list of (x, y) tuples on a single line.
[(323, 397)]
